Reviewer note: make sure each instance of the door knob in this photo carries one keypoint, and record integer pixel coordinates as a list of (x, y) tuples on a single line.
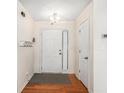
[(85, 57), (60, 53)]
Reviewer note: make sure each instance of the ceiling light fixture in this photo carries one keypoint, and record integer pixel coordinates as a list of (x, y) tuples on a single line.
[(54, 18)]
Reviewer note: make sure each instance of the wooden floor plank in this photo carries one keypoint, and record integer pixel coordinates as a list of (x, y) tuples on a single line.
[(75, 87)]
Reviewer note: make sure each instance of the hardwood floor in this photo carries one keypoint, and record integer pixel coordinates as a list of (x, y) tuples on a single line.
[(75, 87)]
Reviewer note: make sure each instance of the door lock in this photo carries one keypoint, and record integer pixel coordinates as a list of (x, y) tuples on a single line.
[(60, 50), (85, 57)]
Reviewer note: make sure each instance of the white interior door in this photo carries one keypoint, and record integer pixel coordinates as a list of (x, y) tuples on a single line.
[(52, 51), (84, 52)]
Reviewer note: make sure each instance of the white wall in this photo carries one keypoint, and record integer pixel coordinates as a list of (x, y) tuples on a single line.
[(41, 26), (86, 13), (100, 45), (25, 54)]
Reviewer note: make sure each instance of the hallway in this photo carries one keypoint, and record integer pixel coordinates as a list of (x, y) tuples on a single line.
[(75, 87), (61, 36), (63, 47)]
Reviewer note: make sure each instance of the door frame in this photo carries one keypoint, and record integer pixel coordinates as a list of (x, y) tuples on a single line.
[(41, 47)]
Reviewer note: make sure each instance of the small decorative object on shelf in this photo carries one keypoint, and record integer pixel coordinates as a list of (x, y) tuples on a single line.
[(22, 13), (33, 40)]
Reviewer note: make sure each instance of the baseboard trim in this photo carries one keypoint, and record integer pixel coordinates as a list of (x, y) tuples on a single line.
[(83, 84), (25, 83)]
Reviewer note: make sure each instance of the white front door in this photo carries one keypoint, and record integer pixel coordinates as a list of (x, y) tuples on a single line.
[(84, 51), (52, 51)]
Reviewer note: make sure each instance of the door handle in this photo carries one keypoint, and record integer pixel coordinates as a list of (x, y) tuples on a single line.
[(86, 58)]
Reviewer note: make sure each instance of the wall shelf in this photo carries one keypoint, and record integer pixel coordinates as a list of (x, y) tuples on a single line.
[(25, 44)]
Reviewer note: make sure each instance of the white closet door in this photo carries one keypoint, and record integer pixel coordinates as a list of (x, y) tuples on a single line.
[(84, 52)]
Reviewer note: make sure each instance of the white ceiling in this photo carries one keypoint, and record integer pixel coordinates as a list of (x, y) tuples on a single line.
[(43, 9)]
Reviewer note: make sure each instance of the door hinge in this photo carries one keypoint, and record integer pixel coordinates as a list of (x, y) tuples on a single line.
[(79, 71)]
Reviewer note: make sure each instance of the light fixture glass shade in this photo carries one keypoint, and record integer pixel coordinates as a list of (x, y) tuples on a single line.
[(54, 18)]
